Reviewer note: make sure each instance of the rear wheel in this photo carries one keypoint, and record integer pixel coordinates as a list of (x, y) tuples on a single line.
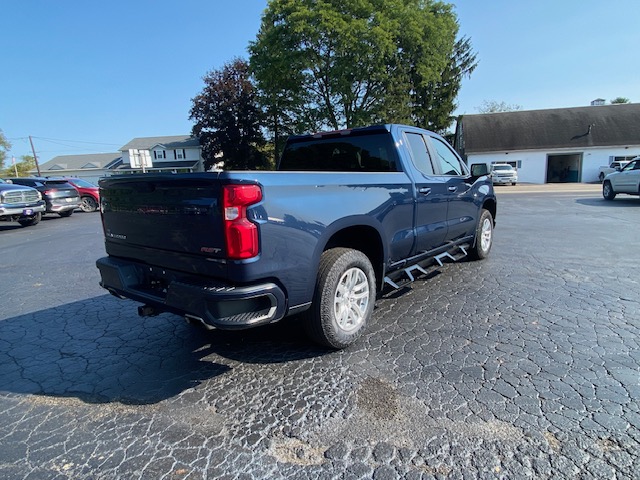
[(484, 236), (88, 204), (67, 213), (344, 297), (28, 222), (607, 191)]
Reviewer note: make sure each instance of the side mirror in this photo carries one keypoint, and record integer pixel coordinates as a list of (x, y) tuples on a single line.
[(479, 169), (618, 168)]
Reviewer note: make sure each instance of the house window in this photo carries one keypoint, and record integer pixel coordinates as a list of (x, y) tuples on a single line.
[(178, 154), (159, 154)]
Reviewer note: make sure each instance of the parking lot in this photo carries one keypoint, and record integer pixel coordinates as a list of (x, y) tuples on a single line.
[(525, 365)]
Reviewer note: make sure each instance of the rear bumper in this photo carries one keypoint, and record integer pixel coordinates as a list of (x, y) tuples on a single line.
[(216, 303), (57, 205)]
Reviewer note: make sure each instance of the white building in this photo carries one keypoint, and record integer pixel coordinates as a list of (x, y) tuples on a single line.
[(550, 146)]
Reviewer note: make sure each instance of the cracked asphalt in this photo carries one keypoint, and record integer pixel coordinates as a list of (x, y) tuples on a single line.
[(525, 365)]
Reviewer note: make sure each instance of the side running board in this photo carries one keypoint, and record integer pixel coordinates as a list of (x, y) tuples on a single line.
[(408, 271)]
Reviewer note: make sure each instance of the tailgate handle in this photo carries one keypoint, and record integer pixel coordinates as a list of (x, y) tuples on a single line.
[(424, 190)]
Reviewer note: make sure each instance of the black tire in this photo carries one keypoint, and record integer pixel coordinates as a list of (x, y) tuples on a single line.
[(484, 236), (513, 184), (607, 191), (601, 176), (66, 213), (346, 282), (88, 204), (28, 222)]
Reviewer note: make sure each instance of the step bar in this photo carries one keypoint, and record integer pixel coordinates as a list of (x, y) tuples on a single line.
[(456, 254)]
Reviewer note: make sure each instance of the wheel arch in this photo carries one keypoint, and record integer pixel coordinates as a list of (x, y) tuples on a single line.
[(491, 205), (363, 237)]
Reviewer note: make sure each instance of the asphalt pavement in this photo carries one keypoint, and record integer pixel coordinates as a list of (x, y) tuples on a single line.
[(524, 365)]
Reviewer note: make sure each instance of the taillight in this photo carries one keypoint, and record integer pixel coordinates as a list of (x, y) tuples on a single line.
[(241, 234)]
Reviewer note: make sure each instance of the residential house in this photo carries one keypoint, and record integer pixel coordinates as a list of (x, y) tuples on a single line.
[(89, 167), (173, 154), (555, 145)]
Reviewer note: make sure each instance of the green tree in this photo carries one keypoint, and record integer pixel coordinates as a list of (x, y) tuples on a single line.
[(493, 106), (620, 100), (336, 64), (5, 146), (228, 119), (435, 101), (23, 167)]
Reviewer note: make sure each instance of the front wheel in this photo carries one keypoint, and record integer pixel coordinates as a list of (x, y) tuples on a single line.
[(28, 222), (607, 191), (343, 300), (484, 236)]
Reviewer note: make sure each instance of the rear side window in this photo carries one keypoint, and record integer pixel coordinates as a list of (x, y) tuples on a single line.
[(353, 153)]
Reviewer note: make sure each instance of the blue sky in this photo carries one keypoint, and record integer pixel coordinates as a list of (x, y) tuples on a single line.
[(87, 77)]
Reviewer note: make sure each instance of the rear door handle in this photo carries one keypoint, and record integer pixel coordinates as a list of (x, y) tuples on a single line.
[(424, 190), (452, 188)]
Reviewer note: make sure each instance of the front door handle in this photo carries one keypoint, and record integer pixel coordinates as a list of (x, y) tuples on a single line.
[(424, 190), (452, 188)]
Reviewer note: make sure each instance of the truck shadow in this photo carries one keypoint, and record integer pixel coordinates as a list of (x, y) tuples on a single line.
[(99, 351)]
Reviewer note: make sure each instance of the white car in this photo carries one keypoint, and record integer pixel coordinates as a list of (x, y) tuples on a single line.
[(627, 180)]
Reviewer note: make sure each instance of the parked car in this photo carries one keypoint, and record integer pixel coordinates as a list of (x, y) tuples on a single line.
[(626, 181), (612, 167), (504, 173), (20, 204), (59, 195), (89, 194)]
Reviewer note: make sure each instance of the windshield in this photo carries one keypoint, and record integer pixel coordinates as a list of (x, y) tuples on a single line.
[(502, 167)]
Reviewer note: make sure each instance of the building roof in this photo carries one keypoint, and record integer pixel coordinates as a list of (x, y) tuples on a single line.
[(167, 142), (79, 162), (579, 127)]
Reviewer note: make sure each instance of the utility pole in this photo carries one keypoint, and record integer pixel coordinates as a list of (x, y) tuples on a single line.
[(35, 157)]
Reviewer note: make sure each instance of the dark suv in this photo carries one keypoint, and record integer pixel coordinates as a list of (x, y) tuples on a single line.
[(60, 196)]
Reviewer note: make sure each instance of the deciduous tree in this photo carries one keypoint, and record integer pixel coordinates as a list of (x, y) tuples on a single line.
[(228, 118), (336, 64), (493, 106), (620, 100), (5, 146)]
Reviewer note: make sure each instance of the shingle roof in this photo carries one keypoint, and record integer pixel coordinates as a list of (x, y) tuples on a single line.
[(77, 162), (579, 127), (169, 142)]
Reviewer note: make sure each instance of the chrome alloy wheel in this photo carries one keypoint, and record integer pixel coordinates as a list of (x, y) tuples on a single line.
[(351, 299), (485, 234)]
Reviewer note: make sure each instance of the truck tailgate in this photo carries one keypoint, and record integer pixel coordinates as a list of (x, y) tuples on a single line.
[(171, 213)]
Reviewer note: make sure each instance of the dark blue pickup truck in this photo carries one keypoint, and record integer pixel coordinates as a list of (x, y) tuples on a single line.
[(346, 214)]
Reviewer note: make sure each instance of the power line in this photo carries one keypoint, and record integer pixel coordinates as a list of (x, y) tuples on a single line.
[(53, 140)]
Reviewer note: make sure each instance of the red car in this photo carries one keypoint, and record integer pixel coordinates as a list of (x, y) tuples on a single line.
[(89, 194)]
